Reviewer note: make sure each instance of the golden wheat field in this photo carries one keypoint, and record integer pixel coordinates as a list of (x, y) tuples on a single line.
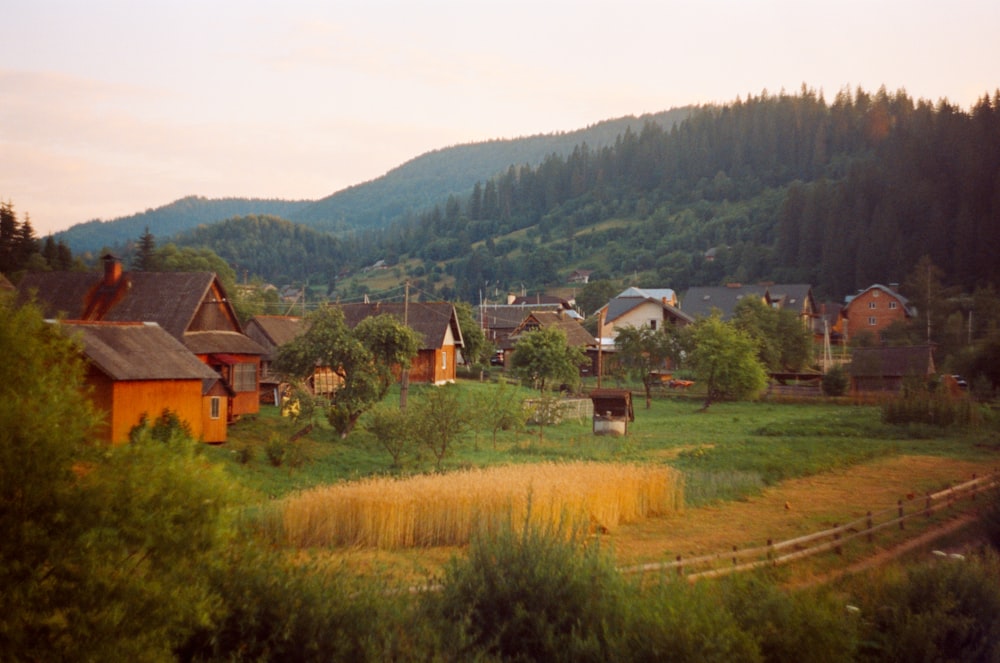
[(446, 509)]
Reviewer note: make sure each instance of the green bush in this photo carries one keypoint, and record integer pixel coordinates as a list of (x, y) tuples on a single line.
[(787, 626), (534, 594), (944, 611), (835, 382), (275, 609), (676, 621), (276, 448)]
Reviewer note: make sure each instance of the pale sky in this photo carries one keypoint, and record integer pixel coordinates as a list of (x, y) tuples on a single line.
[(111, 107)]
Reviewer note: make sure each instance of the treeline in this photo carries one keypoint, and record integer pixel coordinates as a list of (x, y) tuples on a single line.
[(274, 249), (177, 217), (21, 250), (783, 187)]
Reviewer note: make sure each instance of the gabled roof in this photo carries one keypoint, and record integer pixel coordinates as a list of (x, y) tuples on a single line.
[(699, 301), (171, 299), (538, 299), (897, 362), (137, 351), (277, 329), (655, 293), (576, 335), (907, 308), (431, 320), (790, 295), (619, 306), (509, 316)]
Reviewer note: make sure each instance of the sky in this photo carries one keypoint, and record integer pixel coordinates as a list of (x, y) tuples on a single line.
[(109, 108)]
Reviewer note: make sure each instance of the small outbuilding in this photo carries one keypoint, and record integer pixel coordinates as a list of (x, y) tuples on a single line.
[(612, 411)]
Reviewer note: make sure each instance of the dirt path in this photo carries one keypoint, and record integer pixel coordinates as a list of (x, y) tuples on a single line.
[(794, 508)]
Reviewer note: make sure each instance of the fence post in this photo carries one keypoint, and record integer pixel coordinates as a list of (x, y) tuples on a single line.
[(680, 567), (927, 506), (902, 524), (770, 550), (869, 524), (836, 537)]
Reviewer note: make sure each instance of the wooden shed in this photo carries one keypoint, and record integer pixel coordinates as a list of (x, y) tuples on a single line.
[(612, 411)]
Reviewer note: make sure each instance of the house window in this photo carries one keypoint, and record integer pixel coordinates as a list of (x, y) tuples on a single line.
[(444, 361), (871, 304), (215, 408), (892, 304), (244, 377), (652, 325), (872, 320)]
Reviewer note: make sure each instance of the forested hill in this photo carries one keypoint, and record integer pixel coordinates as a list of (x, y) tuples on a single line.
[(787, 188), (406, 190), (177, 217), (420, 183)]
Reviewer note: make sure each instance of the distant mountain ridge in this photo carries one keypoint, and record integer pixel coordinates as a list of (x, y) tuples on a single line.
[(405, 190)]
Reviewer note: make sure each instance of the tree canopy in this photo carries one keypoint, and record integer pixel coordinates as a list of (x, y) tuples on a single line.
[(725, 360), (542, 357), (364, 357)]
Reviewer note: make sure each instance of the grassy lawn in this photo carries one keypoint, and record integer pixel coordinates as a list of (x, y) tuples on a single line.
[(728, 452)]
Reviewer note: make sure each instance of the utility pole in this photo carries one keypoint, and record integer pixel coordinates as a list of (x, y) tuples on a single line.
[(404, 381)]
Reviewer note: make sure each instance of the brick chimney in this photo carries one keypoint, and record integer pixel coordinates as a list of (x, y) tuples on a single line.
[(112, 270)]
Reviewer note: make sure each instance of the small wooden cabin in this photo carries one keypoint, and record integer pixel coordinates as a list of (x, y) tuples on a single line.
[(436, 324)]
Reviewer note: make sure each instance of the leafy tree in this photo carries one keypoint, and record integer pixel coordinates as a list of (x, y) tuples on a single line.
[(104, 548), (390, 425), (475, 348), (365, 358), (501, 408), (642, 350), (437, 419), (542, 356), (725, 360), (783, 342)]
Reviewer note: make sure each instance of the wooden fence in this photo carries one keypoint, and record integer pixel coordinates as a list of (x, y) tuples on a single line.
[(785, 552)]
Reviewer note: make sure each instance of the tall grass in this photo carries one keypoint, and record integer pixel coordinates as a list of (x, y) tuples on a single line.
[(432, 510)]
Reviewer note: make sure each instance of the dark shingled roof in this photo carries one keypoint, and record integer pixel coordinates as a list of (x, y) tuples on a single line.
[(430, 320), (698, 302), (277, 329), (208, 342), (576, 335), (137, 351), (170, 299)]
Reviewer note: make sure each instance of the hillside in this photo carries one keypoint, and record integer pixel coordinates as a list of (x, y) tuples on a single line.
[(406, 190)]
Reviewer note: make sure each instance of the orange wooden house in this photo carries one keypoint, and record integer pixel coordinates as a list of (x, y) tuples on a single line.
[(137, 370), (193, 307)]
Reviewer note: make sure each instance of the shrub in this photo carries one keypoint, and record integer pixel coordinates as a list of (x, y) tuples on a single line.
[(835, 382), (676, 621), (534, 593), (805, 626), (944, 611), (274, 609), (276, 448)]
